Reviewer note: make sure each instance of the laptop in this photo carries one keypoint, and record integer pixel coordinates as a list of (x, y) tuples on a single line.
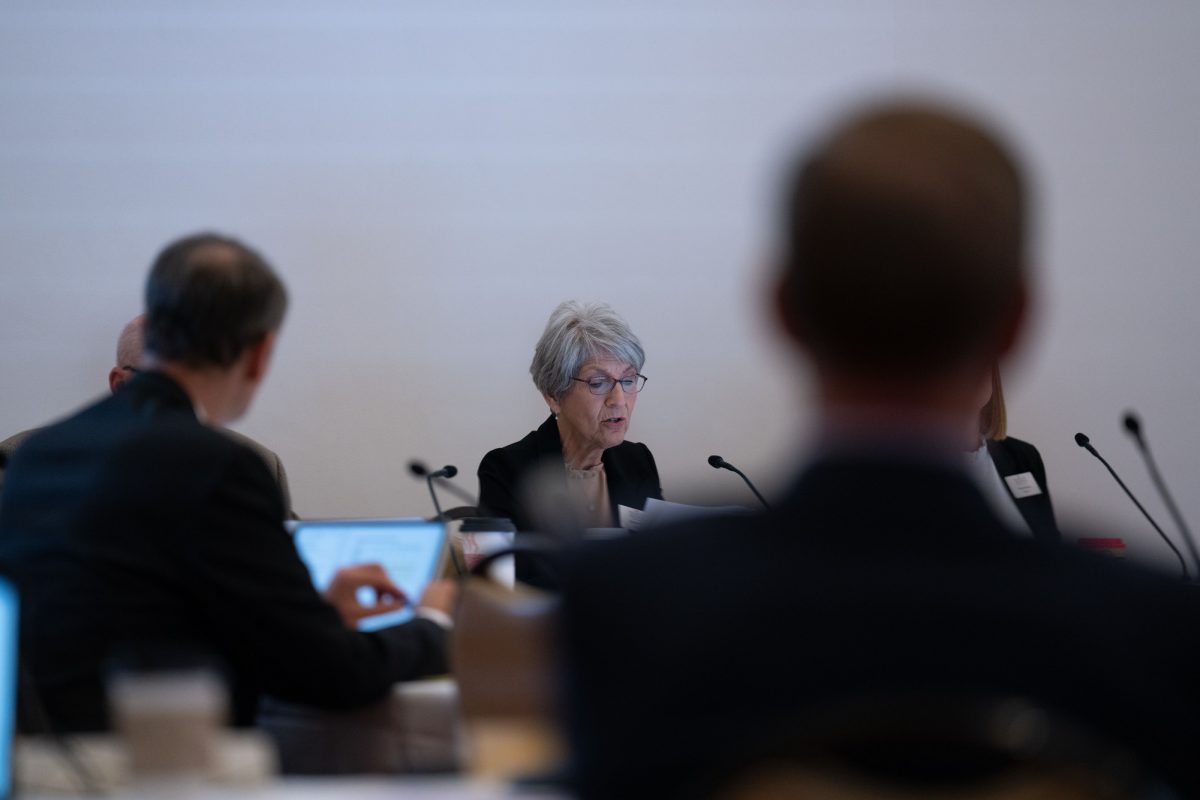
[(412, 551), (8, 684)]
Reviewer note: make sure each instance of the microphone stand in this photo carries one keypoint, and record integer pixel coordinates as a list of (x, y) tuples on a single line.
[(420, 470), (458, 491), (1085, 443), (719, 463), (1134, 426), (433, 496)]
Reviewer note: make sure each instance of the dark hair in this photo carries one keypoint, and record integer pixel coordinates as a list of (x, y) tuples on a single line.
[(208, 298), (904, 242)]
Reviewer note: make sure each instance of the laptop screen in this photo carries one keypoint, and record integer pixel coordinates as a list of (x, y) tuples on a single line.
[(411, 552)]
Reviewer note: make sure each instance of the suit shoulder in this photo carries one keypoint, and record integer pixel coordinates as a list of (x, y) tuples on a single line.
[(1022, 452), (51, 438), (218, 469), (186, 445), (635, 451), (521, 451), (631, 447), (9, 445), (1018, 445), (177, 433), (241, 453), (265, 453)]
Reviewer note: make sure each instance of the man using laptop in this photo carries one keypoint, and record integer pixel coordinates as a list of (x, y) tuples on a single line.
[(882, 579), (135, 525)]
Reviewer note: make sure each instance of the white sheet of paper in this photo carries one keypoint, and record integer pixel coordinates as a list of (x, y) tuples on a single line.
[(629, 518), (662, 512)]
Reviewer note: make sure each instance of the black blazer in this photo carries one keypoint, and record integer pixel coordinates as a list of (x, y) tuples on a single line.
[(870, 577), (629, 469), (1014, 457), (131, 523)]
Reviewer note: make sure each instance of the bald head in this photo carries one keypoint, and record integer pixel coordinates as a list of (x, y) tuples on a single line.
[(129, 344), (129, 353), (905, 244)]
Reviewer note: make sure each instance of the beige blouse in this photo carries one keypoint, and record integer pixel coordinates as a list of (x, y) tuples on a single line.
[(588, 490)]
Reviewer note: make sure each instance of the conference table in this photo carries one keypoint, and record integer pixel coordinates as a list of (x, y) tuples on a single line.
[(388, 750)]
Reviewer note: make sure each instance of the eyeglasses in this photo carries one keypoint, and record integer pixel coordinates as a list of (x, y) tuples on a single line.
[(604, 385)]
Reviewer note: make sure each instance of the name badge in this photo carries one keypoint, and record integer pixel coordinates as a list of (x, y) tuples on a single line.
[(1022, 485)]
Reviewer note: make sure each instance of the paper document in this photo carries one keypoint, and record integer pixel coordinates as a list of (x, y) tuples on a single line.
[(629, 518), (662, 512)]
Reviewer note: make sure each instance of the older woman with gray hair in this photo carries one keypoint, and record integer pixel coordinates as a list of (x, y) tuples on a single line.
[(587, 365)]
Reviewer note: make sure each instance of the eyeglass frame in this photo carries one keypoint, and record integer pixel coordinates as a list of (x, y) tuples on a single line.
[(588, 382)]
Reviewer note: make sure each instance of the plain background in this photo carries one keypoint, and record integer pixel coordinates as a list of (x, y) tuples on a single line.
[(432, 178)]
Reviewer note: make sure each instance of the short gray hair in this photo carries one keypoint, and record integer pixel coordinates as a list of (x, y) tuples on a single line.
[(576, 333)]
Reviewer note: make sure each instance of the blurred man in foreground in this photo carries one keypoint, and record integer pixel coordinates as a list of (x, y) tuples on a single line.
[(883, 575), (134, 525), (130, 346)]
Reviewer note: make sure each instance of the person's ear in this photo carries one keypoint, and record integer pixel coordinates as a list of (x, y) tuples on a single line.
[(783, 309), (116, 378), (259, 358), (555, 408)]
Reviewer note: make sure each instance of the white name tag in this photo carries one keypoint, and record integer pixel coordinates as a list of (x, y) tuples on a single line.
[(1022, 485)]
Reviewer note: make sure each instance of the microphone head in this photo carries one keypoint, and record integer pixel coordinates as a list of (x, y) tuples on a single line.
[(418, 469), (716, 462), (1132, 424), (449, 470), (1082, 440)]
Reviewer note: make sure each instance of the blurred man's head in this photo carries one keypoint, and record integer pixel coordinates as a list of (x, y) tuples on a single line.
[(904, 263), (129, 353), (213, 307)]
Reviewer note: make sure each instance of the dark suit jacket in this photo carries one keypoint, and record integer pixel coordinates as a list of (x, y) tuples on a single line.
[(1013, 457), (629, 469), (133, 523), (686, 647), (273, 461)]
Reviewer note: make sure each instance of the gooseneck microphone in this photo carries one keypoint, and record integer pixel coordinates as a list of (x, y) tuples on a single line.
[(419, 469), (449, 471), (716, 462), (1083, 441), (1134, 427), (422, 471)]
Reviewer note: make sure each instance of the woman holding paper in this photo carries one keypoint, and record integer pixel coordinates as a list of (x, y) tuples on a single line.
[(1010, 471), (587, 366)]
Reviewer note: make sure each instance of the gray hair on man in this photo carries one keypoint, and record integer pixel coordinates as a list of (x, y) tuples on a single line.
[(576, 333)]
